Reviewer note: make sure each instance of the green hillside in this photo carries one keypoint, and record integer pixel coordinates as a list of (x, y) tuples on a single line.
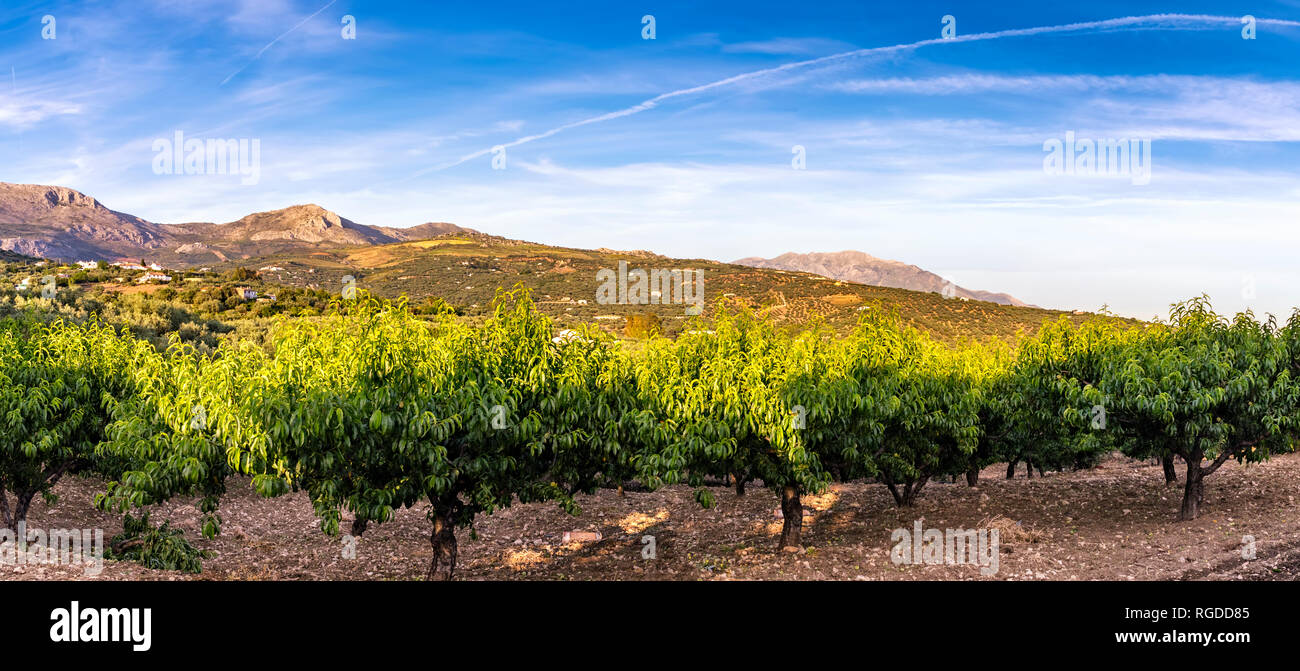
[(466, 269)]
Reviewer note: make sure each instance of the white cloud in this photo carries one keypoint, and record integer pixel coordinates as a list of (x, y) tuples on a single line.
[(788, 46), (25, 114)]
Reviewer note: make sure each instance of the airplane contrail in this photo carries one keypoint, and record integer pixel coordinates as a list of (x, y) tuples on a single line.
[(1155, 20), (272, 43)]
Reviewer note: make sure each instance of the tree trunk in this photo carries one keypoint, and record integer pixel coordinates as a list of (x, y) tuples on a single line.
[(893, 490), (1029, 469), (10, 517), (740, 487), (792, 517), (22, 503), (1171, 475), (913, 490), (1193, 490), (443, 539), (1011, 469), (972, 476), (621, 493), (6, 521)]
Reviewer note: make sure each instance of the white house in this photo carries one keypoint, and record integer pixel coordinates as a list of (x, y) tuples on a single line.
[(153, 277), (88, 265), (568, 335)]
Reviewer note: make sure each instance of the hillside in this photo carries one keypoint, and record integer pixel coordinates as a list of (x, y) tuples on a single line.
[(853, 266), (310, 246), (7, 256), (466, 270), (61, 223), (56, 222)]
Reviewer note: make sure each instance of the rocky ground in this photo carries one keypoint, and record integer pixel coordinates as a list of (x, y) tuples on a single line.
[(1116, 522)]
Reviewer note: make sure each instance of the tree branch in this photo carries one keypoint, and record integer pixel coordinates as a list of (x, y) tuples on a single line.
[(52, 476), (1223, 456)]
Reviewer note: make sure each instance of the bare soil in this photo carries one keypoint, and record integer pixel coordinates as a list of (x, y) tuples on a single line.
[(1116, 522)]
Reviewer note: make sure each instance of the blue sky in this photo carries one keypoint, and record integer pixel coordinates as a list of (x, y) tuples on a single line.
[(930, 153)]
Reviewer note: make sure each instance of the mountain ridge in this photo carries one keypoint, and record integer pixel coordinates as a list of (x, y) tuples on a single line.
[(863, 268), (63, 223)]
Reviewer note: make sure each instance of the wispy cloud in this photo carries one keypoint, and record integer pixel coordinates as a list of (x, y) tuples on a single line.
[(21, 115), (1154, 21), (277, 39), (787, 46), (923, 150)]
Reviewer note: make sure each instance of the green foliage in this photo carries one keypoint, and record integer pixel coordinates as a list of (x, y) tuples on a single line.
[(373, 407), (719, 394), (59, 385), (1200, 387), (187, 430), (155, 547), (239, 275)]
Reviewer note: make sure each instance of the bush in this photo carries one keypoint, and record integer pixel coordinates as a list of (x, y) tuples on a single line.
[(156, 547)]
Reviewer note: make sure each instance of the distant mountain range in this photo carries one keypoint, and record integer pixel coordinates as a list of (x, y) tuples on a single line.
[(61, 223), (862, 268)]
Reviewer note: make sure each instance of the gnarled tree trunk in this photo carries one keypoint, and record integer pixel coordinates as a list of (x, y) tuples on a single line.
[(12, 516), (913, 490), (1011, 469), (972, 476), (1193, 490), (16, 515), (792, 517), (6, 520), (443, 539), (907, 496), (1171, 475)]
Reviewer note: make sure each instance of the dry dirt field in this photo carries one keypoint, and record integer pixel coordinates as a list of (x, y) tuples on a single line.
[(1113, 523)]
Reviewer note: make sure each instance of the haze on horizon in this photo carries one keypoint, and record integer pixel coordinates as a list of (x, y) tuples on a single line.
[(929, 153)]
